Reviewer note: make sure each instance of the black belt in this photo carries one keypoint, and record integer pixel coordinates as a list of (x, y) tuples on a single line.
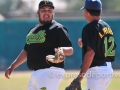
[(104, 64), (39, 69), (43, 68), (35, 69)]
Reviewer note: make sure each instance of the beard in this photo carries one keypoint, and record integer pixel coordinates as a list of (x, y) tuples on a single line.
[(44, 22)]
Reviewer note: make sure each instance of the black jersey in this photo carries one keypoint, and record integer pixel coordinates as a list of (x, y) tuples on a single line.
[(41, 41), (99, 37)]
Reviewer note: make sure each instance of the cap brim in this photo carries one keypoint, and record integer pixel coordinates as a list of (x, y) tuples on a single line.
[(81, 8)]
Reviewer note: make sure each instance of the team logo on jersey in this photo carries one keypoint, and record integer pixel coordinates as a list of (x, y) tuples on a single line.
[(36, 38), (43, 88)]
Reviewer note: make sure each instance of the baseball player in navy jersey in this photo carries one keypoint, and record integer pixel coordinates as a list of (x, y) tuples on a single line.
[(41, 41), (98, 48)]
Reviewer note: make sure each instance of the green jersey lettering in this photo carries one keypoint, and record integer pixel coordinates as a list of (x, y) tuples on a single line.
[(109, 50), (36, 38)]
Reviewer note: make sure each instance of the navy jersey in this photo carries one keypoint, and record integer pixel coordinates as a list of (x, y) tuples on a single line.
[(41, 41), (98, 36)]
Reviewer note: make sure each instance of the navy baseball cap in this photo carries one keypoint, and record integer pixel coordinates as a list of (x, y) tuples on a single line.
[(46, 3), (93, 5)]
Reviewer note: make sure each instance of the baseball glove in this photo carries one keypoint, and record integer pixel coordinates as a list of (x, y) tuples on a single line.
[(75, 85), (58, 57)]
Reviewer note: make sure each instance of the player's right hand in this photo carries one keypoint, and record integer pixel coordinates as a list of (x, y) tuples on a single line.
[(80, 42), (8, 72)]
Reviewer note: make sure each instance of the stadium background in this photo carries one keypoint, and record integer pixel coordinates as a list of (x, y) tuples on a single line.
[(13, 34), (18, 16)]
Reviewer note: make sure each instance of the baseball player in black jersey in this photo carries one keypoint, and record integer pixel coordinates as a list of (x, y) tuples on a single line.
[(41, 41), (98, 48)]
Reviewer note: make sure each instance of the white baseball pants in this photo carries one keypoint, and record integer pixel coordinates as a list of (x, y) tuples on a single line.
[(99, 77), (46, 79)]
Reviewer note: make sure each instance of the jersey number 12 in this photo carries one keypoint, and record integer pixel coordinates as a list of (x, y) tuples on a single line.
[(109, 51)]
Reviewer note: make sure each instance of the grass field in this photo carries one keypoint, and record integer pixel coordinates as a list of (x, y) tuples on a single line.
[(19, 81)]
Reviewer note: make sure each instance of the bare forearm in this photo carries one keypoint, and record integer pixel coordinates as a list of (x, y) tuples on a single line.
[(88, 58), (87, 62), (19, 60), (67, 50)]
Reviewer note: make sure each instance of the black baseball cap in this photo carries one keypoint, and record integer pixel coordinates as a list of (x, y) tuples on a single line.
[(46, 3)]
